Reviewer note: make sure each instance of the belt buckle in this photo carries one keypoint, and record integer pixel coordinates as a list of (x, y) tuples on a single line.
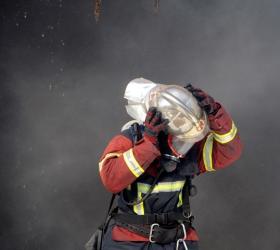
[(152, 229)]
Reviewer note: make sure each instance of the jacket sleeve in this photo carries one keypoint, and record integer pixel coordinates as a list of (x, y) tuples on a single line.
[(222, 146), (122, 162)]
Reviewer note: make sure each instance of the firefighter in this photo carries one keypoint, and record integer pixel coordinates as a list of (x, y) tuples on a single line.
[(178, 133)]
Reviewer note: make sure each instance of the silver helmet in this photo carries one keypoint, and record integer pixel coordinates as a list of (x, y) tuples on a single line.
[(187, 121)]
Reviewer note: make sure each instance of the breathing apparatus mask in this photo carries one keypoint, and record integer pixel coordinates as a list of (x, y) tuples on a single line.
[(188, 123)]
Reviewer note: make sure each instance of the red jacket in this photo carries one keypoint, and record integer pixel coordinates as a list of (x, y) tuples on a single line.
[(122, 163)]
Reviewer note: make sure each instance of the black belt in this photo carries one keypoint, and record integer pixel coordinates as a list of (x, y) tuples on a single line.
[(148, 219)]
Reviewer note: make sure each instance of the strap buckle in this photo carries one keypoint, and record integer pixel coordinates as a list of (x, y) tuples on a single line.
[(152, 229), (161, 218), (187, 215)]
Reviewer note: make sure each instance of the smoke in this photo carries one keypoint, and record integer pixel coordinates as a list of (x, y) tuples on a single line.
[(62, 82)]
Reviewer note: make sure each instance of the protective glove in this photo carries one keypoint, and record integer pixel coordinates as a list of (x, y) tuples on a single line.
[(154, 124), (205, 101)]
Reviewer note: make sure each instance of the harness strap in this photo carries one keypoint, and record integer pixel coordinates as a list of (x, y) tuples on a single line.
[(108, 217), (148, 219), (103, 226), (186, 199)]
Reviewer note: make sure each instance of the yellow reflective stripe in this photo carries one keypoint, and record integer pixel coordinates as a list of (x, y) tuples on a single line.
[(162, 187), (132, 163), (225, 138), (107, 156), (129, 159), (180, 201), (139, 208), (207, 153)]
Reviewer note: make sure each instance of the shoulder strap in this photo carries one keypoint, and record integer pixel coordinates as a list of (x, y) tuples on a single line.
[(104, 224), (111, 204), (134, 132), (188, 190), (186, 199)]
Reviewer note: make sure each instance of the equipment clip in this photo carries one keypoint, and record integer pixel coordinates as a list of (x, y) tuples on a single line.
[(151, 232), (182, 240)]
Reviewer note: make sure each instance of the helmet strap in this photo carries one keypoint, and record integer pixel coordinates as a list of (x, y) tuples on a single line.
[(170, 145)]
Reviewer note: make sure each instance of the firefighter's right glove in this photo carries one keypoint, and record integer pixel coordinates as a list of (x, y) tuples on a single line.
[(154, 124)]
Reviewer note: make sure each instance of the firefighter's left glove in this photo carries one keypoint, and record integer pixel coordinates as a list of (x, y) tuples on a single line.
[(205, 101), (154, 125)]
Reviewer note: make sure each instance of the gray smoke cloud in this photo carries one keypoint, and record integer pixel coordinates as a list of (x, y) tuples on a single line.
[(62, 82)]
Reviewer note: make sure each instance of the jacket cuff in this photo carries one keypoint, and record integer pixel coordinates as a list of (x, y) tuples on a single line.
[(145, 152)]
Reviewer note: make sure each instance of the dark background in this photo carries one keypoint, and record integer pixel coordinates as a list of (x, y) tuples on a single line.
[(62, 81)]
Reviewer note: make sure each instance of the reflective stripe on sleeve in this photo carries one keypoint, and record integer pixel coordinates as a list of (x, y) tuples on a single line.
[(108, 156), (225, 138), (207, 153), (132, 163)]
